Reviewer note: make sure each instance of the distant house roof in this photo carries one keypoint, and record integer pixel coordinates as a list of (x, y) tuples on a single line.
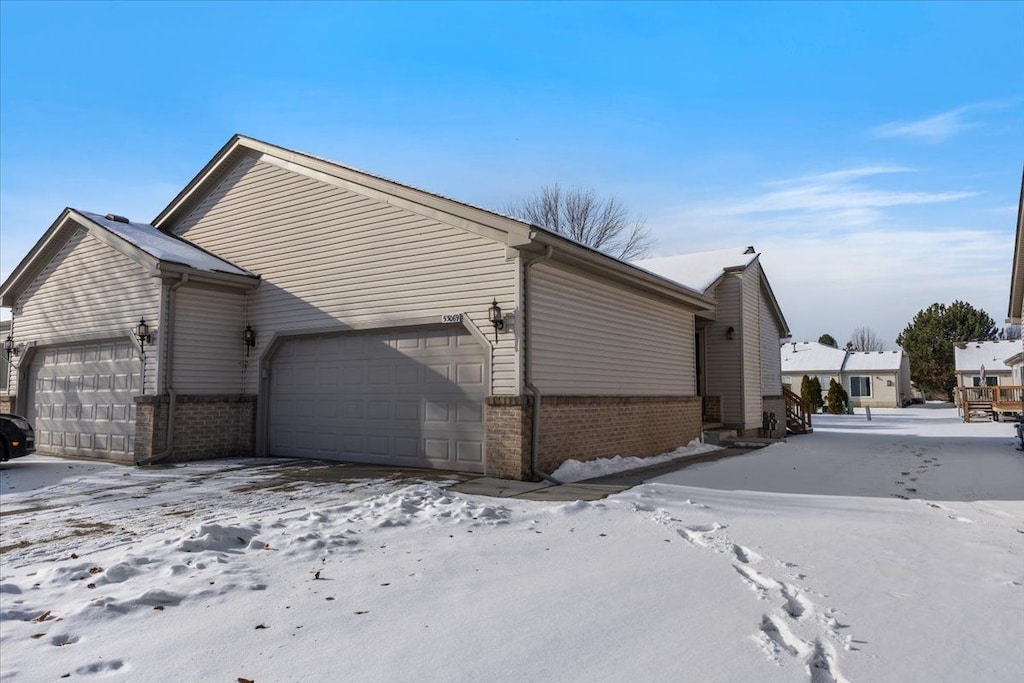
[(811, 357), (700, 270), (992, 354), (873, 361)]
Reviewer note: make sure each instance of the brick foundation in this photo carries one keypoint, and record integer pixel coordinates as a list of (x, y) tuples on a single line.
[(586, 428), (7, 403), (216, 426)]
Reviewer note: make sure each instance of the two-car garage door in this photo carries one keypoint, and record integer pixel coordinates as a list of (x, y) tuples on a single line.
[(412, 398), (81, 399)]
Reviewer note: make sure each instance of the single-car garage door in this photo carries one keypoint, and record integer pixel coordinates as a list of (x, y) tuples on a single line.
[(409, 398), (81, 399)]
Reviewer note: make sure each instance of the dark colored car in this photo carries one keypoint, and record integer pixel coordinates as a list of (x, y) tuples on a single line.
[(17, 437)]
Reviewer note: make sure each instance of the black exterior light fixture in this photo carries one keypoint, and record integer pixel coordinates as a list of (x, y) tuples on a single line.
[(10, 347), (143, 334), (494, 315), (248, 338), (730, 333)]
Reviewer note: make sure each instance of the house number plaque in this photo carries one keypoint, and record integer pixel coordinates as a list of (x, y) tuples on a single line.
[(451, 318)]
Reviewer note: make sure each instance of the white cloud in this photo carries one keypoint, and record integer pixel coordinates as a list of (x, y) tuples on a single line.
[(831, 198), (938, 128), (837, 259)]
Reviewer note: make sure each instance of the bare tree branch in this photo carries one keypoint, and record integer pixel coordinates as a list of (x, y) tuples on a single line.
[(865, 339), (581, 215)]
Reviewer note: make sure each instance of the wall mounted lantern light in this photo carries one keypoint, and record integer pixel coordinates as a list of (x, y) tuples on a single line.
[(248, 338), (494, 315), (10, 347), (730, 333), (143, 334)]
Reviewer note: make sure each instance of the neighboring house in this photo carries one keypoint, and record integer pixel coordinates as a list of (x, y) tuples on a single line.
[(811, 359), (297, 307), (876, 379), (738, 371), (984, 363)]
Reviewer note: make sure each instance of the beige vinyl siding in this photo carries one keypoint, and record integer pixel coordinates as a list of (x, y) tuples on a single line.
[(771, 356), (724, 361), (882, 394), (330, 257), (592, 337), (208, 350), (750, 333), (88, 291)]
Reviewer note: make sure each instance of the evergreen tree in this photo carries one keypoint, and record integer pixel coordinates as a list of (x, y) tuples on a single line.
[(837, 399), (828, 340), (928, 341), (810, 392)]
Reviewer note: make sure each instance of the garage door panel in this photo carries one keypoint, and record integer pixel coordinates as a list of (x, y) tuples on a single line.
[(81, 398), (408, 398)]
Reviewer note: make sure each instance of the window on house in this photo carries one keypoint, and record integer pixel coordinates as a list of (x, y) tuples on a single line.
[(787, 380), (860, 387), (989, 381)]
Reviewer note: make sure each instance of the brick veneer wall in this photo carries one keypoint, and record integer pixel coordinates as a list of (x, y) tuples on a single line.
[(7, 403), (216, 426), (712, 409), (586, 428)]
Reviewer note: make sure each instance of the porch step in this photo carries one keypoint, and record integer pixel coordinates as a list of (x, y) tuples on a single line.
[(978, 410)]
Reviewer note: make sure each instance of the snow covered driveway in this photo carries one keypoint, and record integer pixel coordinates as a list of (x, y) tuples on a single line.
[(808, 561)]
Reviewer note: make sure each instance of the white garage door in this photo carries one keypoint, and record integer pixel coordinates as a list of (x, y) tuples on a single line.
[(410, 398), (81, 399)]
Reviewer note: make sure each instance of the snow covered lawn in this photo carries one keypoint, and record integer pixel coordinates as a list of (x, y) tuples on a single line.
[(890, 550)]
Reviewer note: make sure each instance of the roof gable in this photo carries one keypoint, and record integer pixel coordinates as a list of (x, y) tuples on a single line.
[(142, 243), (703, 271), (527, 238)]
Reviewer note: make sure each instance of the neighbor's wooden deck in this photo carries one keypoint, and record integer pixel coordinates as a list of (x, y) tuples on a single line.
[(984, 402)]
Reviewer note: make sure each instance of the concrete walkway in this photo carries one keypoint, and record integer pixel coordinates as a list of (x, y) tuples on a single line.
[(589, 489)]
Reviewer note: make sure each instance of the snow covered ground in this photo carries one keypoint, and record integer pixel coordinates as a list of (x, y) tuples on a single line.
[(890, 550)]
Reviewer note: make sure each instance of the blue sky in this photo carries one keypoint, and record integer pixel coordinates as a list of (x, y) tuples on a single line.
[(871, 151)]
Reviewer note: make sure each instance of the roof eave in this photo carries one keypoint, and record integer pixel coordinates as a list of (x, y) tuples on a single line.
[(570, 251), (1013, 315)]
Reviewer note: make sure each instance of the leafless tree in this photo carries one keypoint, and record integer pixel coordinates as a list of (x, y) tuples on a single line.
[(865, 339), (579, 214)]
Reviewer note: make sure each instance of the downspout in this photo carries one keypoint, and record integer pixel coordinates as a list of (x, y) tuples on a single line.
[(528, 368), (168, 337)]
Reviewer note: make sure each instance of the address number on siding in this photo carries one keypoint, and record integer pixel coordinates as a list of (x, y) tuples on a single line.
[(451, 318)]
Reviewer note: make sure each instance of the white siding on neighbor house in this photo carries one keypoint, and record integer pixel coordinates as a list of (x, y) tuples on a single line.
[(724, 366), (592, 337), (88, 291), (330, 257), (208, 350)]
